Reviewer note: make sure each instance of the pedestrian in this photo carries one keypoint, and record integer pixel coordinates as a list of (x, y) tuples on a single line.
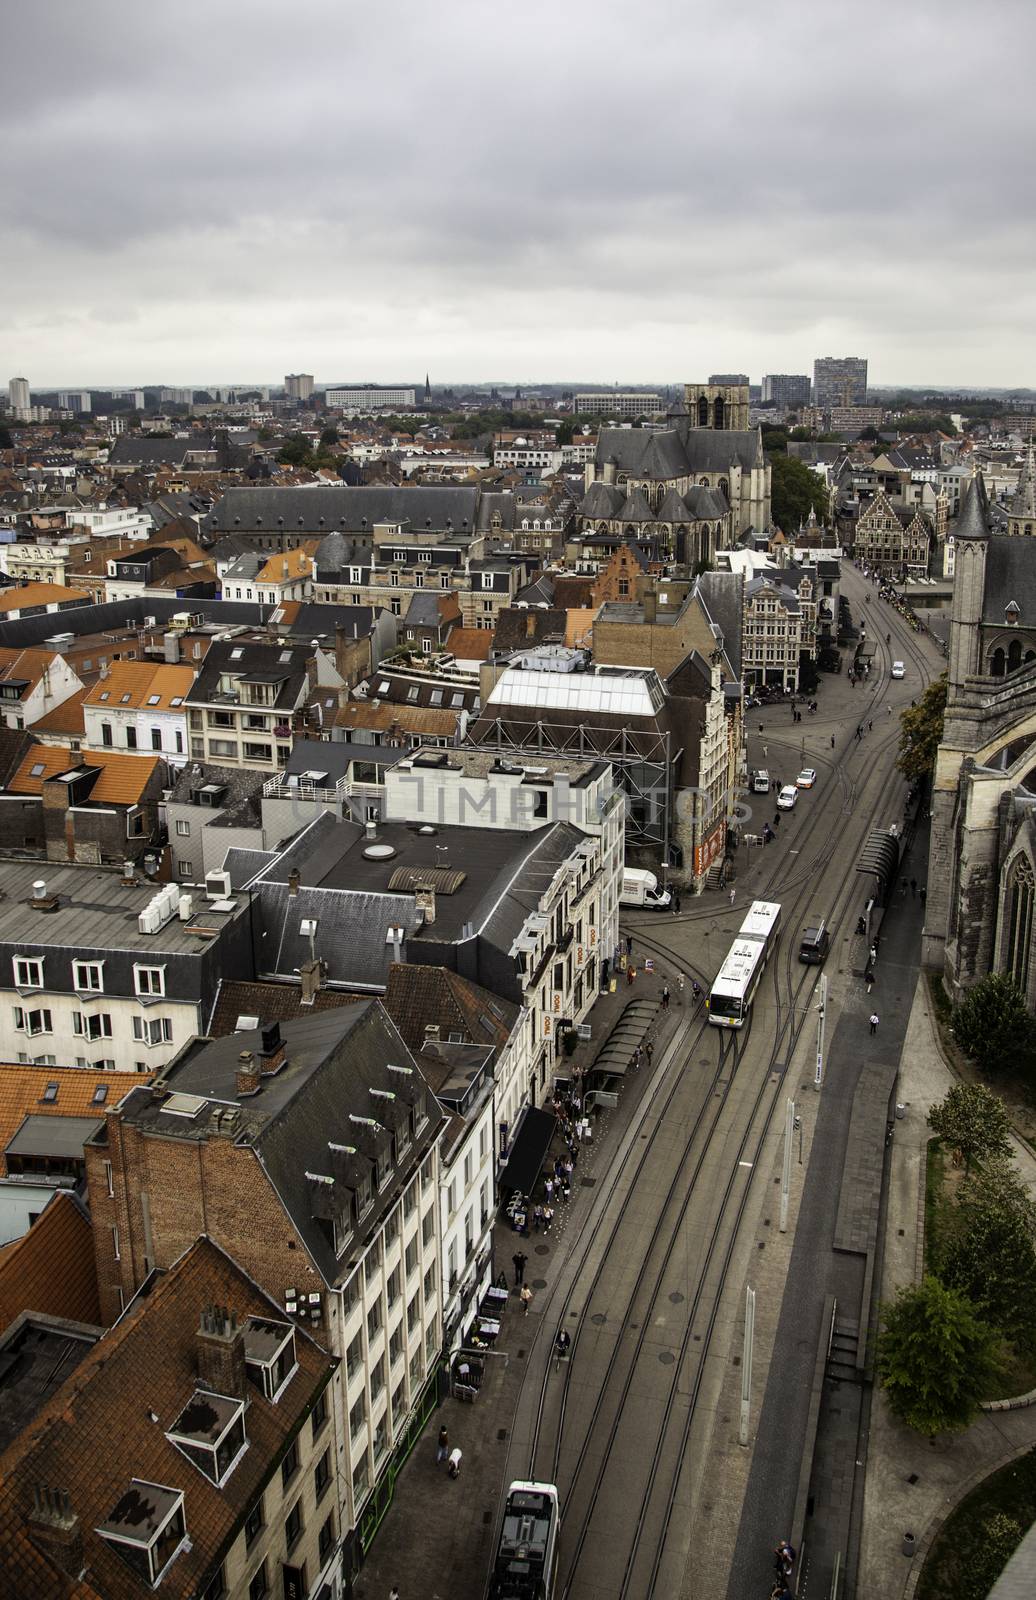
[(456, 1456), (393, 1593), (649, 1051), (913, 888), (548, 1218), (537, 1219), (526, 1298), (760, 727), (631, 973), (733, 896), (869, 979), (665, 997), (629, 944), (832, 741), (890, 711), (519, 1258), (442, 1448), (676, 902), (873, 952), (764, 752), (870, 725), (875, 1019), (636, 1058), (924, 895), (785, 1557), (549, 1189)]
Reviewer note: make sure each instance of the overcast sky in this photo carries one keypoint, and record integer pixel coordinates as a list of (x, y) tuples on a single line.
[(596, 191)]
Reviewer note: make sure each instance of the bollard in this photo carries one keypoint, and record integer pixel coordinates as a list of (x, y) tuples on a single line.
[(909, 1544), (900, 1111)]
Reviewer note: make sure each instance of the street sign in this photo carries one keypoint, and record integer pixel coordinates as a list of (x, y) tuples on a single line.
[(583, 1030)]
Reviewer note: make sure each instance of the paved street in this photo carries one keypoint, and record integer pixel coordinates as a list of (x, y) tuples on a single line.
[(640, 1428)]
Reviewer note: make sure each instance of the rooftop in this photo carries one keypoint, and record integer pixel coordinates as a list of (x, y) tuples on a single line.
[(611, 691)]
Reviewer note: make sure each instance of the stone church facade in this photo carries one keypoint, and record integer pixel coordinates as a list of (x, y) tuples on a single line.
[(894, 540), (982, 859), (698, 484)]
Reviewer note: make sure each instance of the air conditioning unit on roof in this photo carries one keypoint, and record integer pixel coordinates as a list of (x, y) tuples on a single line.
[(217, 885)]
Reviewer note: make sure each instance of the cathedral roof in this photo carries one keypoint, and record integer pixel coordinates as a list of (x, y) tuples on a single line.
[(705, 504), (673, 507), (1024, 502), (679, 452), (603, 500), (636, 508), (973, 522), (1010, 576)]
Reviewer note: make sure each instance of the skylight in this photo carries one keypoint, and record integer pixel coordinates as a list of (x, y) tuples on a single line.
[(153, 699)]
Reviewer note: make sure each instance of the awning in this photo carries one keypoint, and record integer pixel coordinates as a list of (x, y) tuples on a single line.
[(880, 858), (529, 1150)]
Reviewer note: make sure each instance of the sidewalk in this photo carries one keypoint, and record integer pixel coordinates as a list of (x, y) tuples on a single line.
[(912, 1484), (435, 1542)]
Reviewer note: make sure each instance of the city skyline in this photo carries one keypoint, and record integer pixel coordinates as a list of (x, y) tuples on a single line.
[(505, 211)]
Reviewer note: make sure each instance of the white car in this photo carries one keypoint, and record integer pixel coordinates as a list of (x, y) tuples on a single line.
[(806, 778), (761, 782), (898, 669), (787, 797)]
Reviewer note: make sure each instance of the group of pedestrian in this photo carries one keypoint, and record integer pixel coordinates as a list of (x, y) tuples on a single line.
[(452, 1459)]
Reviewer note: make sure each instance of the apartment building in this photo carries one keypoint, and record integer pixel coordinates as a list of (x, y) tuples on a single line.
[(309, 1152), (106, 971), (32, 684), (611, 403), (242, 705), (139, 705), (220, 1443)]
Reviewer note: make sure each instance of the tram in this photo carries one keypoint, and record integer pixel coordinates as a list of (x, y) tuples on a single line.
[(527, 1554), (731, 996)]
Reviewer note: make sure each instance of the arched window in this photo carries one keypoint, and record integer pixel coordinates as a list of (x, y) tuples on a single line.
[(724, 487), (703, 412), (996, 666), (1018, 911), (719, 413), (1014, 655)]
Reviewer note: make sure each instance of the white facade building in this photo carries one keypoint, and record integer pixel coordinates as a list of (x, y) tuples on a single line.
[(371, 398), (18, 396)]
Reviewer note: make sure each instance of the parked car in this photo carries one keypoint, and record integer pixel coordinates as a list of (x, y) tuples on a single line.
[(787, 797), (806, 778), (898, 669), (761, 781)]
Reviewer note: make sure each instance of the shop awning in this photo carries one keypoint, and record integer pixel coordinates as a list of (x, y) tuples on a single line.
[(529, 1150)]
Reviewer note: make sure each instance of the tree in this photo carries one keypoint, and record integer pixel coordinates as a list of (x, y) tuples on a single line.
[(295, 451), (6, 442), (935, 1358), (329, 436), (921, 732), (867, 434), (775, 439), (972, 1119), (795, 491), (993, 1025), (988, 1250)]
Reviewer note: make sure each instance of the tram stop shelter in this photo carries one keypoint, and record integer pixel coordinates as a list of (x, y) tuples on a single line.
[(528, 1151)]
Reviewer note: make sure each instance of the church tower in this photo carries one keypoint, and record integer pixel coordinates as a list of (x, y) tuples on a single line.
[(717, 405), (1021, 517), (971, 547)]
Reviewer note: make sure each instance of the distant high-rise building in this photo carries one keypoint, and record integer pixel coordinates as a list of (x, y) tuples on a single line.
[(728, 380), (18, 395), (298, 385), (839, 381), (617, 403), (786, 390), (75, 400)]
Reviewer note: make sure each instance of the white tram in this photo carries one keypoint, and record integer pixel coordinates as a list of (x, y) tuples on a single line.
[(738, 978), (527, 1552)]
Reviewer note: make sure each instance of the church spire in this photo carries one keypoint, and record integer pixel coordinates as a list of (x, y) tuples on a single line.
[(1024, 502)]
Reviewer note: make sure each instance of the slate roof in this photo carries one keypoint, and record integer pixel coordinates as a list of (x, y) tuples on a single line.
[(348, 509), (518, 628), (22, 1090), (95, 1435), (1010, 575), (602, 501), (1023, 502), (248, 659), (419, 995), (240, 783), (153, 450), (51, 1268), (678, 452), (973, 520), (636, 509), (722, 595)]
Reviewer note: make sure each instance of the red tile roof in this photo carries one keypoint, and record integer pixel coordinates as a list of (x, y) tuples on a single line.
[(123, 778), (51, 1269), (22, 1090)]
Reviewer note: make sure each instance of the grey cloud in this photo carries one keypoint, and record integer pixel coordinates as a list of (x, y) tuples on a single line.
[(582, 189)]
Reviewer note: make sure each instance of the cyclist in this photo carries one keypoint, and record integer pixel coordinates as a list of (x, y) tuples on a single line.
[(562, 1343), (696, 991)]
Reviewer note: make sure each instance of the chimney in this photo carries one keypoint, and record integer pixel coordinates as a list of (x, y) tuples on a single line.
[(650, 603), (294, 879), (249, 1077), (171, 644), (54, 1529), (271, 1050), (220, 1348), (530, 625), (431, 1033), (424, 900), (311, 973)]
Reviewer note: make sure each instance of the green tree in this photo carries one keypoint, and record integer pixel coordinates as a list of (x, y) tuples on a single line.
[(935, 1358), (295, 451), (993, 1025), (867, 434), (795, 492), (972, 1119), (329, 436), (6, 442), (775, 439), (987, 1251), (921, 732)]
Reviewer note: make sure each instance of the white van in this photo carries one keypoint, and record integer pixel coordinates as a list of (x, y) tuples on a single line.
[(640, 888)]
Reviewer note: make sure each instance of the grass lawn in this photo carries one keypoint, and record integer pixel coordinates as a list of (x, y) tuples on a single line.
[(935, 1178), (948, 1573)]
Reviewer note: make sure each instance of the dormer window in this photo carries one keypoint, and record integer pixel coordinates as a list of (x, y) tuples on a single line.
[(210, 1431), (270, 1355), (147, 1528), (1012, 612)]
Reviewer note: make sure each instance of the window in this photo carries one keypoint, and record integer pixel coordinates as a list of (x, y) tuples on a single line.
[(396, 1343), (374, 1319), (217, 1588), (357, 1416), (322, 1475), (361, 1481), (410, 1257), (95, 1027), (254, 1523), (149, 981), (270, 1355), (392, 1287), (156, 738), (151, 1030), (319, 1416), (88, 976), (377, 1377), (146, 1505), (28, 972), (115, 1244), (290, 1464), (293, 1525), (183, 828), (326, 1540), (37, 1021), (259, 1587), (354, 1356)]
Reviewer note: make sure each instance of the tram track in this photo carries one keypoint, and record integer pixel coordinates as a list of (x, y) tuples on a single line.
[(756, 1129)]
